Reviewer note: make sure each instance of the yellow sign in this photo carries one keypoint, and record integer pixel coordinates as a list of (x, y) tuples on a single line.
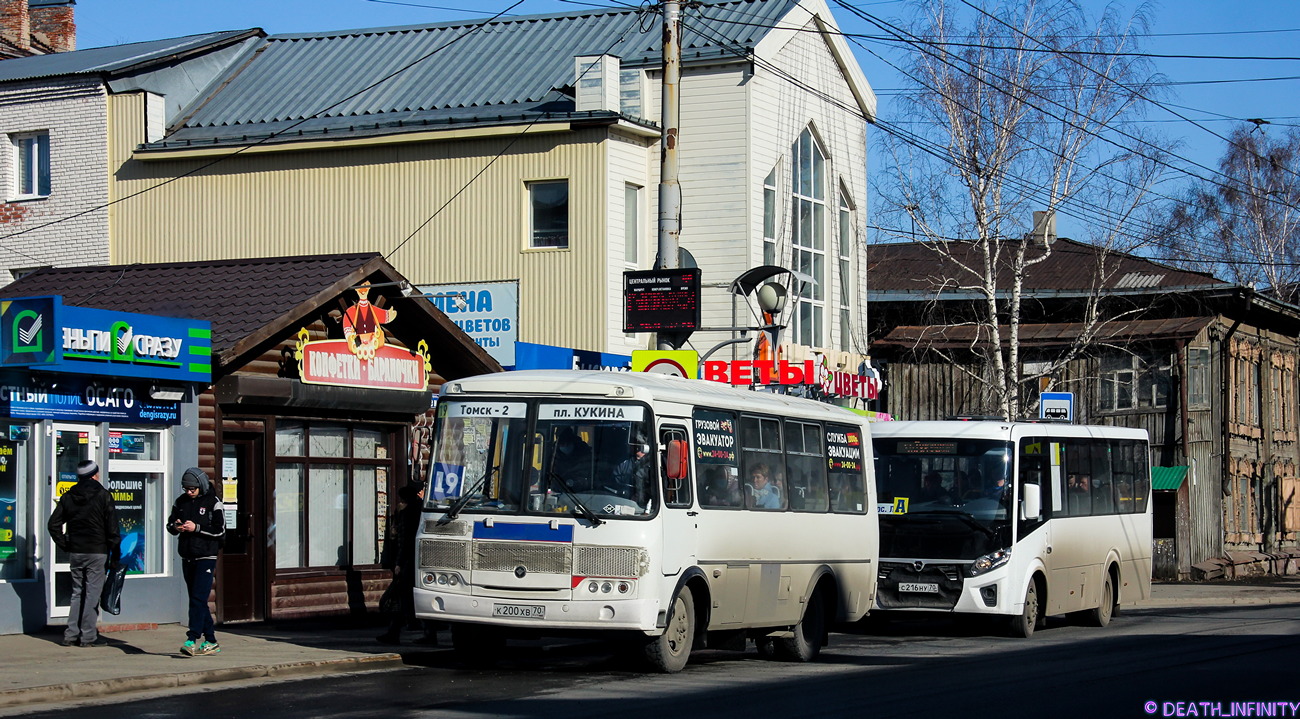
[(900, 505), (62, 487), (678, 363)]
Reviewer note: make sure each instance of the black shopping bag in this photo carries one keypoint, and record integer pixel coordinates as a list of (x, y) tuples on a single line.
[(110, 600)]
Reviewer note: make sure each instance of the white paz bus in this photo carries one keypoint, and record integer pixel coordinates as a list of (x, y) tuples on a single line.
[(674, 513), (1019, 519)]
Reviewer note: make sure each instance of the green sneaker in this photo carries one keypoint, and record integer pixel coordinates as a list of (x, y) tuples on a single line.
[(189, 648), (207, 648)]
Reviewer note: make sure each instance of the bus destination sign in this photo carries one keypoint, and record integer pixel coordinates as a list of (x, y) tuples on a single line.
[(661, 300)]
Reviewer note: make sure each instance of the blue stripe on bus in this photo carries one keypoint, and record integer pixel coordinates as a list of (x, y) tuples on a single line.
[(529, 532)]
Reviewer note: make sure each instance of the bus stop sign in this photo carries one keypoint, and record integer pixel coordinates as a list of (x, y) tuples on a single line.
[(1056, 405)]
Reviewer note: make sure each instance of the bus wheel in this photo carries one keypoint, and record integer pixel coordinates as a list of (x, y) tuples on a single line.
[(806, 643), (669, 651), (1100, 616), (1023, 625), (477, 646)]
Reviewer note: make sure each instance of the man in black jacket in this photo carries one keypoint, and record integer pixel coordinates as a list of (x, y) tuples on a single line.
[(199, 519), (92, 540)]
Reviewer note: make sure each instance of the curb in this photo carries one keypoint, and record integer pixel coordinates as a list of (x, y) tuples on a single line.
[(105, 687), (1213, 602)]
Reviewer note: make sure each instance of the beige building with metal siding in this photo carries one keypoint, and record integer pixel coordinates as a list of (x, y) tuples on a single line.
[(436, 175), (361, 195)]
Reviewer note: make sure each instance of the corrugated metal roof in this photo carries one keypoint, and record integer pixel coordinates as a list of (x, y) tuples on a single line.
[(1042, 335), (113, 59), (1168, 478), (510, 65), (916, 267)]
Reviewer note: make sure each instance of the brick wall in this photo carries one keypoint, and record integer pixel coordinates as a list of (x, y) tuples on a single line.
[(74, 113), (55, 26), (15, 23)]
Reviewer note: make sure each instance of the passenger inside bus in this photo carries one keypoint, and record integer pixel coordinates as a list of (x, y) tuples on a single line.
[(571, 461), (764, 493), (932, 490), (717, 490), (632, 475)]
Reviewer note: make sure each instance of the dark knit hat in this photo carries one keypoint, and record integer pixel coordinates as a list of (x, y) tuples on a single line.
[(409, 494), (194, 477), (87, 468)]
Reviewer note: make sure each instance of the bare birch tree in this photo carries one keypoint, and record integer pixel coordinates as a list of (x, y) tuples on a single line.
[(1246, 222), (1015, 110)]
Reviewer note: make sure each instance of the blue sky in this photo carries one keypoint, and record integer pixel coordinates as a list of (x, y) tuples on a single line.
[(1263, 28)]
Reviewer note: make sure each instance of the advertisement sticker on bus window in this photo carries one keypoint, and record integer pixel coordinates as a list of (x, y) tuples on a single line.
[(469, 410), (844, 450), (845, 470), (715, 437), (592, 412)]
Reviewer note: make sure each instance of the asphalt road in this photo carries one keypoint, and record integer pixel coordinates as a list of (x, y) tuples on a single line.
[(930, 668)]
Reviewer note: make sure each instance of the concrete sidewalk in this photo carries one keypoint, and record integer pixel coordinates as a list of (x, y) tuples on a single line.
[(37, 670)]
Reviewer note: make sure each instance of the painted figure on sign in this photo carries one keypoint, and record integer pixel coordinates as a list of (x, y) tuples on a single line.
[(361, 324)]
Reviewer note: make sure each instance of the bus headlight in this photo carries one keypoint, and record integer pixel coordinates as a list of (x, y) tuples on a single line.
[(989, 562)]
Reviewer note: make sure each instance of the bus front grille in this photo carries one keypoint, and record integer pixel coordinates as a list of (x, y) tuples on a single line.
[(610, 562), (537, 558), (455, 528), (444, 554), (944, 581)]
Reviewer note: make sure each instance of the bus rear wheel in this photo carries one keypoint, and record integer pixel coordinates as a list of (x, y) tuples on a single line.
[(806, 643), (669, 651), (1100, 616)]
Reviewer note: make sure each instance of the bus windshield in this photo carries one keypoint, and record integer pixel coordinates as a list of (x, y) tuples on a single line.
[(963, 485), (573, 458)]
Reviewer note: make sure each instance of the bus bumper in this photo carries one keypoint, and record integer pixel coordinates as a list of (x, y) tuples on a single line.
[(614, 614)]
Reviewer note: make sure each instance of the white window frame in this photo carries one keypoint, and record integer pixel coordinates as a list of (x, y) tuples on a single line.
[(845, 270), (532, 187), (158, 497), (808, 237), (770, 218), (29, 171), (632, 224)]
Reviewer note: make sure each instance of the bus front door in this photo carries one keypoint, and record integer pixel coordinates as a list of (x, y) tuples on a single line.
[(678, 519)]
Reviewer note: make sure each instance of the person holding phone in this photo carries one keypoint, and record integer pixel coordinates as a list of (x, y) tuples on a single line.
[(198, 519)]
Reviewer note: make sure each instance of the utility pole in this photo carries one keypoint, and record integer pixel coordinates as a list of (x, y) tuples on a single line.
[(670, 191)]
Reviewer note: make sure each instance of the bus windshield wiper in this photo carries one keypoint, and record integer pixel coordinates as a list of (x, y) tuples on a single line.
[(581, 508), (965, 517), (464, 498)]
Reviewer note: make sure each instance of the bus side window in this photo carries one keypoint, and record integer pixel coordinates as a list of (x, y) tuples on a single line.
[(677, 492), (1103, 491)]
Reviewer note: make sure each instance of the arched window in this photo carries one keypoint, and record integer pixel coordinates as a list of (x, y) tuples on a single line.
[(808, 233)]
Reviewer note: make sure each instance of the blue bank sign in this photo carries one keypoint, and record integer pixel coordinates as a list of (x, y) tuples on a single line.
[(43, 333)]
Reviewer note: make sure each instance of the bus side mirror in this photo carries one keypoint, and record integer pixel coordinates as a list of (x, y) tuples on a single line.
[(1031, 501), (675, 461)]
